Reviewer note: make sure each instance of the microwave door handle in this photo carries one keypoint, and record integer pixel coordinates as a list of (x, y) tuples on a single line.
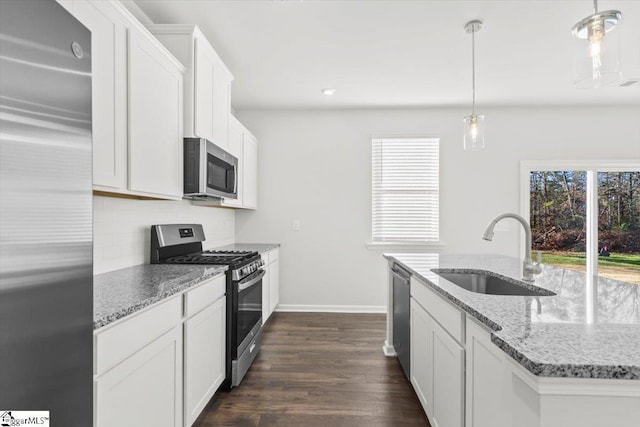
[(247, 283), (204, 166), (235, 180)]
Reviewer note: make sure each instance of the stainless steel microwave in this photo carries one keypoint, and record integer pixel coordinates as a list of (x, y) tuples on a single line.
[(209, 171)]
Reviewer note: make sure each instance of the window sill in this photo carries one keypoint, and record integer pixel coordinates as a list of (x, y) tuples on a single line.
[(407, 246)]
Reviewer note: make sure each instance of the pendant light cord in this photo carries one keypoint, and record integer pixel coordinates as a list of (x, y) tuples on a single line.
[(473, 71), (595, 6)]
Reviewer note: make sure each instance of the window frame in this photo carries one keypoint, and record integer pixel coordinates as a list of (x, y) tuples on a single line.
[(591, 167), (431, 246)]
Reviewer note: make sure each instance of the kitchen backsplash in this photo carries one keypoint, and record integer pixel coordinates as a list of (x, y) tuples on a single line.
[(121, 228)]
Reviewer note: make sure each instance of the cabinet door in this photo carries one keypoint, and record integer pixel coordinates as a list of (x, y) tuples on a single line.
[(448, 379), (421, 355), (204, 63), (485, 380), (274, 285), (250, 175), (221, 106), (235, 148), (155, 120), (145, 389), (109, 85), (204, 358), (266, 294)]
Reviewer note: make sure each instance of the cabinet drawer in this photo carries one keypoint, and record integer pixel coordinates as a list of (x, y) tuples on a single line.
[(204, 295), (120, 341), (265, 257), (449, 317)]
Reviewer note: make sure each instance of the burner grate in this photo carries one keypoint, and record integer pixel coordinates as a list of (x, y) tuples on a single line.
[(212, 257)]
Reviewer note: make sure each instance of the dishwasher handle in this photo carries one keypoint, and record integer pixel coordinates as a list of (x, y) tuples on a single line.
[(401, 273)]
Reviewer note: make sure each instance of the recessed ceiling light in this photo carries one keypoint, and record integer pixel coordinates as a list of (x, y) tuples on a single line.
[(328, 91)]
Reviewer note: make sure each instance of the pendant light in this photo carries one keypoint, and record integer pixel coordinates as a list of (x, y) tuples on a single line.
[(597, 63), (473, 124)]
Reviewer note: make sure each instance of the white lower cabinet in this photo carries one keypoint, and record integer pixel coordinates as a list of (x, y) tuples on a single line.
[(204, 358), (437, 358), (437, 369), (266, 292), (463, 379), (161, 366), (145, 389), (421, 355), (270, 283), (485, 404), (274, 284), (448, 379)]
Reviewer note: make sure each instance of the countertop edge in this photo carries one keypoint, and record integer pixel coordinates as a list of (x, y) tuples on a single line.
[(545, 370), (549, 370), (129, 310)]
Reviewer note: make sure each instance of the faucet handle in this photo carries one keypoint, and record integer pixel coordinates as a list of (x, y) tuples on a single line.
[(539, 256)]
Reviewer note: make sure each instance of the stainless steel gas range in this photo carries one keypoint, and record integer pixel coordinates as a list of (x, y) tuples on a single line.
[(182, 244)]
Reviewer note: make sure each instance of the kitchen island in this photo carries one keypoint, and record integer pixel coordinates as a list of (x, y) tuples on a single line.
[(572, 358)]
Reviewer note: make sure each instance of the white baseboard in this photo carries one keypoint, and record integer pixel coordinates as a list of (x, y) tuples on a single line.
[(388, 349), (332, 308)]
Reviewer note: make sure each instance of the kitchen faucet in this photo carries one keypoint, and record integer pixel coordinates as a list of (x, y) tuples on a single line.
[(529, 268)]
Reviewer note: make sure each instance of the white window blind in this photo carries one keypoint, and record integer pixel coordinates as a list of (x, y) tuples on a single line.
[(405, 190)]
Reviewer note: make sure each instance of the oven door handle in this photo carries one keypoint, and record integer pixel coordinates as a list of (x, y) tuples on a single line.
[(250, 281)]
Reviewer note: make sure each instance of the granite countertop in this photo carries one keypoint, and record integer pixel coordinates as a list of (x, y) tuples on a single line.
[(122, 292), (576, 333), (258, 247)]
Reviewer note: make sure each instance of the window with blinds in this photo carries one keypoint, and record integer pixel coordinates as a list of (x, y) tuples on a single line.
[(405, 185)]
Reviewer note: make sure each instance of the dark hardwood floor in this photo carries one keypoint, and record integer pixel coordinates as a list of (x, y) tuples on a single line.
[(320, 369)]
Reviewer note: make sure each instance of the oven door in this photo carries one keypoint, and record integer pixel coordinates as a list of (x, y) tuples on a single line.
[(249, 309)]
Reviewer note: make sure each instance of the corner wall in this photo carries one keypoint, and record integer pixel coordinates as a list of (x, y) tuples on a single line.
[(315, 167)]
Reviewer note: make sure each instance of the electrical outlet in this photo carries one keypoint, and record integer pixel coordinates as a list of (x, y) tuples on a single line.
[(295, 225)]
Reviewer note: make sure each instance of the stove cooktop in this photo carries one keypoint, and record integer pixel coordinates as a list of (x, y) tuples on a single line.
[(213, 257)]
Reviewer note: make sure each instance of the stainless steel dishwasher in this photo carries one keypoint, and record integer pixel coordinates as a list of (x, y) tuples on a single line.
[(401, 317)]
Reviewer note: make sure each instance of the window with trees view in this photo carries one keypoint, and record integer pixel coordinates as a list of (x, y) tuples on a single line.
[(590, 216)]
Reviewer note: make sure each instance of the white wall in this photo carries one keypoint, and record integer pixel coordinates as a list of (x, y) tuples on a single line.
[(315, 166), (122, 227)]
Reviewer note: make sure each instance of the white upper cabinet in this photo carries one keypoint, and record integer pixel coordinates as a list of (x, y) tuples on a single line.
[(155, 120), (136, 103), (250, 171), (244, 146), (221, 105), (203, 106), (109, 90), (207, 91), (236, 130)]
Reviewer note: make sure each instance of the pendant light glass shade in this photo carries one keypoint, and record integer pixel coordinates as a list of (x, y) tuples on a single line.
[(597, 57), (473, 123), (473, 132)]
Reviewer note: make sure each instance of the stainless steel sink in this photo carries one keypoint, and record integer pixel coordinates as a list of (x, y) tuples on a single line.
[(485, 282)]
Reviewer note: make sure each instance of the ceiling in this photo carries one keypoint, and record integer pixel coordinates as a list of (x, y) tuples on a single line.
[(403, 53)]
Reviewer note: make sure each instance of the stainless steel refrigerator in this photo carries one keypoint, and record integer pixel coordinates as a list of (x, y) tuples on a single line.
[(46, 285)]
